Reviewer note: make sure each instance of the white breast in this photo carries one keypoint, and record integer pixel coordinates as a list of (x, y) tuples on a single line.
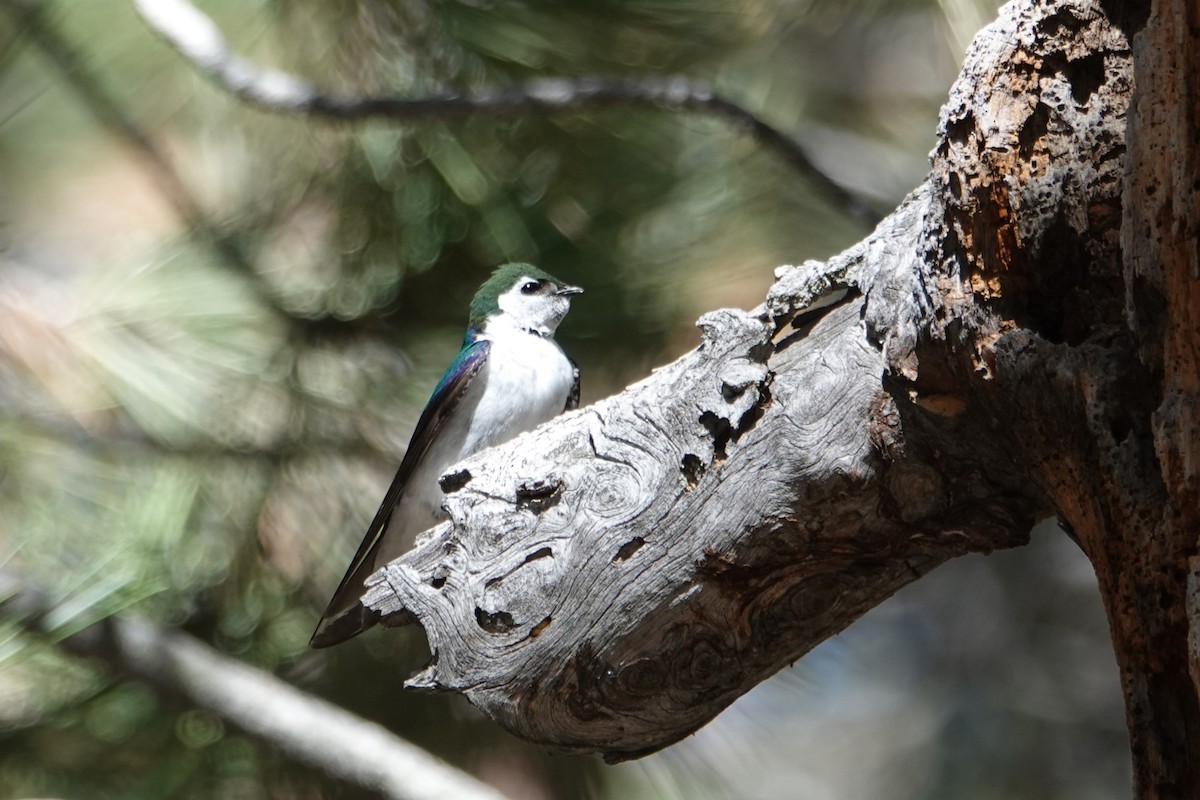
[(526, 381)]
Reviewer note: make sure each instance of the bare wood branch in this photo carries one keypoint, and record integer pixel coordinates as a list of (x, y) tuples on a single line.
[(616, 578), (199, 40), (304, 727)]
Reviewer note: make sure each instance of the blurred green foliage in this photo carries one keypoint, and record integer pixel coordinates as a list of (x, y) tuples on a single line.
[(201, 439)]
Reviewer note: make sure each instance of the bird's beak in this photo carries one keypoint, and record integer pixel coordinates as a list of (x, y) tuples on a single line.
[(567, 291)]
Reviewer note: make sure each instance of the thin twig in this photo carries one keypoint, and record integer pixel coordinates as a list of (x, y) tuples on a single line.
[(307, 728), (198, 39)]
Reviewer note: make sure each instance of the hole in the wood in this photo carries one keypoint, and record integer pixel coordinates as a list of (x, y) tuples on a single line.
[(719, 429), (1120, 426), (438, 582), (1034, 128), (628, 549), (692, 468), (544, 552), (1063, 19), (1065, 304), (454, 481), (960, 129), (494, 622), (722, 432), (808, 317), (539, 495), (1085, 76), (756, 411), (537, 630)]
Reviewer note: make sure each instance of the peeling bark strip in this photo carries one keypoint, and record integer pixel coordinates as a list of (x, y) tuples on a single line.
[(1018, 339)]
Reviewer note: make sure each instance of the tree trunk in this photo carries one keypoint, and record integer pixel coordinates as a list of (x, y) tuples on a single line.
[(1017, 340), (1146, 556)]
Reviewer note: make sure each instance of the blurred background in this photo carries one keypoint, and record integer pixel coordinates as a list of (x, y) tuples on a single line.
[(217, 328)]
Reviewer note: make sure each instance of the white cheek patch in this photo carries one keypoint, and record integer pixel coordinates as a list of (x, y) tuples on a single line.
[(538, 312), (513, 302)]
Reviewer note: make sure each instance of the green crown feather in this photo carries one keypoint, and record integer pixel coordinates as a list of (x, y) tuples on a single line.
[(487, 300)]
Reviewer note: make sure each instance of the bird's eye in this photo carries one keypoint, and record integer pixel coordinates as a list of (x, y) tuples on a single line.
[(531, 287)]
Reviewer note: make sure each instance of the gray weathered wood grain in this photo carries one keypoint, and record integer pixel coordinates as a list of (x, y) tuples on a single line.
[(614, 579)]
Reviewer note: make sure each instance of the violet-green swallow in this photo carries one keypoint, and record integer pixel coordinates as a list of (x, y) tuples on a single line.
[(509, 377)]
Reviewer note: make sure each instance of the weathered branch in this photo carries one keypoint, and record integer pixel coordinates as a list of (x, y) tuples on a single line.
[(200, 41), (304, 727), (616, 578)]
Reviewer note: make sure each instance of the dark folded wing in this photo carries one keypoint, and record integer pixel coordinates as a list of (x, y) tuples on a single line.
[(445, 398), (573, 397)]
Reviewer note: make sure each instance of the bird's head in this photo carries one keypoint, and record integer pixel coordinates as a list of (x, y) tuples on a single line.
[(524, 296)]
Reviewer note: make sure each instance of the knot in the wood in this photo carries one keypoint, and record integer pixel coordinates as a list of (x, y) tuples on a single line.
[(612, 493), (690, 662), (917, 489)]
